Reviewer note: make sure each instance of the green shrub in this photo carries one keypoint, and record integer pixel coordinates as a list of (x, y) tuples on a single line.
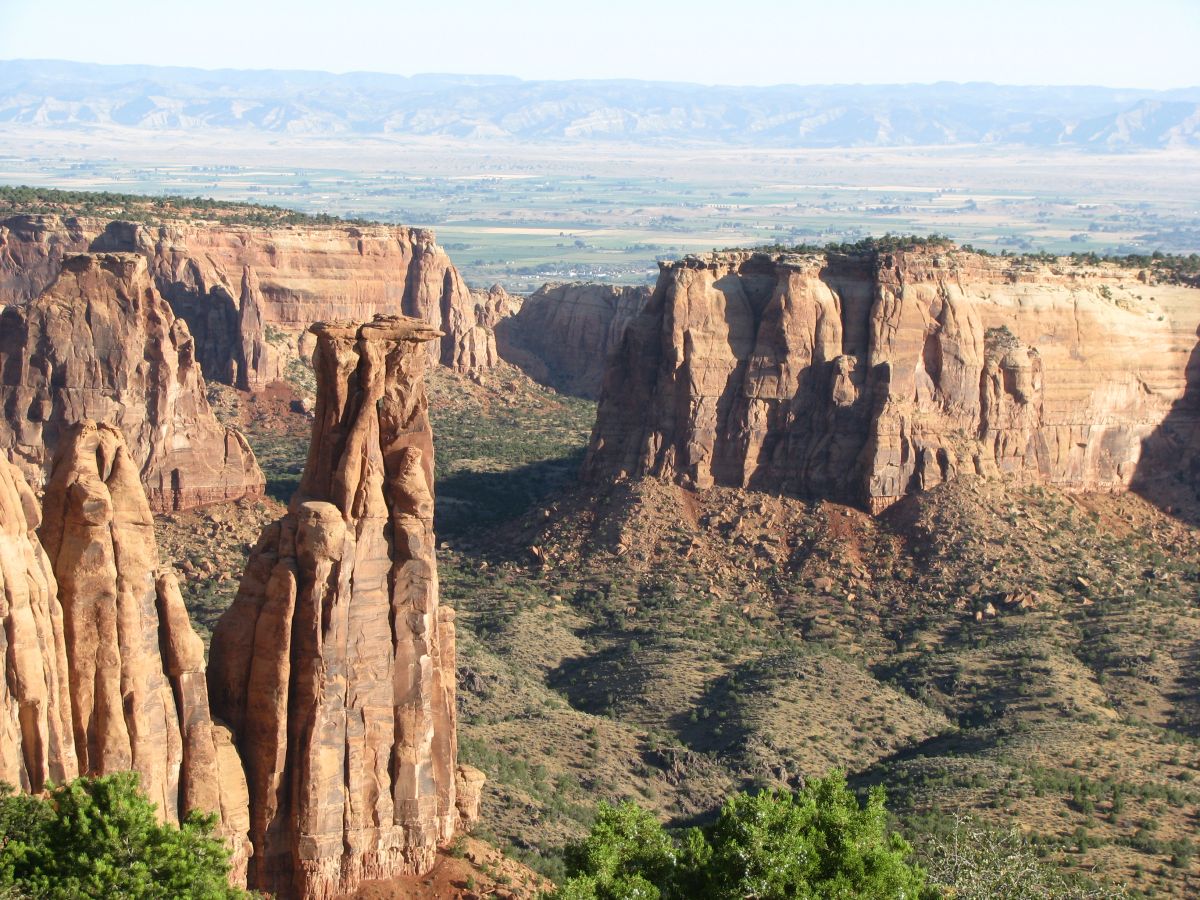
[(98, 837), (818, 843)]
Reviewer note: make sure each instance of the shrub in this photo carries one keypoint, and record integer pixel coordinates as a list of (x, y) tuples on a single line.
[(98, 837), (818, 843)]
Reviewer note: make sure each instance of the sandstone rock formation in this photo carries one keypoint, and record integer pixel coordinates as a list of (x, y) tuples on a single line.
[(138, 694), (864, 377), (36, 739), (239, 287), (100, 343), (563, 334), (335, 664), (32, 249)]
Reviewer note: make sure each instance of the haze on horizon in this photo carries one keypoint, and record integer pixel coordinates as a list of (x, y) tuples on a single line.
[(1148, 45)]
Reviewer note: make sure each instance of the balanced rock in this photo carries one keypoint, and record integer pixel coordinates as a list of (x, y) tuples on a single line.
[(138, 692), (563, 333), (335, 663), (36, 739), (100, 343), (863, 377)]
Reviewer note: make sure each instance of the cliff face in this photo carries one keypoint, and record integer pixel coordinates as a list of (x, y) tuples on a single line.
[(563, 334), (32, 249), (36, 738), (335, 663), (864, 378), (231, 283), (137, 689), (100, 343)]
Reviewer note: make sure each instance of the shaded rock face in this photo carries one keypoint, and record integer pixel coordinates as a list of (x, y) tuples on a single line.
[(238, 286), (100, 343), (138, 695), (863, 378), (335, 663), (36, 739), (32, 249), (564, 333)]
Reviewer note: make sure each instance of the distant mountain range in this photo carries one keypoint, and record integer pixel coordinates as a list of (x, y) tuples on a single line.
[(79, 95)]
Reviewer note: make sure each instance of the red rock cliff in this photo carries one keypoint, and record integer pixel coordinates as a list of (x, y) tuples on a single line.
[(36, 738), (866, 377), (138, 697), (32, 249), (563, 334), (335, 663), (100, 343), (232, 283)]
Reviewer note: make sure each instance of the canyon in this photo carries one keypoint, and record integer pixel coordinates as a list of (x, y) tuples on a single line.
[(864, 377)]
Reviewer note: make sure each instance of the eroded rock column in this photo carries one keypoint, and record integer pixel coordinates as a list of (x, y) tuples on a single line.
[(335, 663), (138, 693)]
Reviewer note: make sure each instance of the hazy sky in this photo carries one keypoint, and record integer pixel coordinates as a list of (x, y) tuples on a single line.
[(1134, 43)]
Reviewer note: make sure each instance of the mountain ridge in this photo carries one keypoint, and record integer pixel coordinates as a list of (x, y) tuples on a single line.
[(67, 94)]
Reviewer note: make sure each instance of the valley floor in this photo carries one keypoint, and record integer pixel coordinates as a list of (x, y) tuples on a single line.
[(1013, 653)]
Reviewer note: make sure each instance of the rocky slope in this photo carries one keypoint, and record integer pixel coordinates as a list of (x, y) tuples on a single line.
[(335, 663), (248, 292), (864, 377), (563, 333), (100, 343)]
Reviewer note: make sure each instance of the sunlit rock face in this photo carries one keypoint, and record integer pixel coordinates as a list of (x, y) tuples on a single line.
[(866, 377), (335, 663)]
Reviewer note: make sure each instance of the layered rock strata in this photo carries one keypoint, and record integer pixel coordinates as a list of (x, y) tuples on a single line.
[(563, 334), (866, 377), (335, 663), (36, 737), (137, 688), (100, 343), (248, 292)]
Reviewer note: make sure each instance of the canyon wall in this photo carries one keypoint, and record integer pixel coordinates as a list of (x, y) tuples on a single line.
[(335, 663), (100, 343), (865, 377), (101, 670), (248, 292), (36, 737), (563, 333), (32, 249)]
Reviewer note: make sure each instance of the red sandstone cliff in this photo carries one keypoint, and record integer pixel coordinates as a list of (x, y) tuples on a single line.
[(124, 685), (335, 663), (100, 343), (866, 377), (36, 738), (32, 249), (563, 334), (231, 283)]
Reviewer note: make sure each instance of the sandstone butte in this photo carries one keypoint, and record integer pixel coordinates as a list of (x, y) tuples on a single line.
[(563, 333), (248, 292), (335, 664), (866, 377), (102, 670), (100, 343)]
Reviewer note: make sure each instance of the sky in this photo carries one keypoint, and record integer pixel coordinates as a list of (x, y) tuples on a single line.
[(1135, 43)]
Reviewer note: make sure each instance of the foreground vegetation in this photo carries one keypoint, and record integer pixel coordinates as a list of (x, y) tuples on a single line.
[(816, 843), (98, 837)]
